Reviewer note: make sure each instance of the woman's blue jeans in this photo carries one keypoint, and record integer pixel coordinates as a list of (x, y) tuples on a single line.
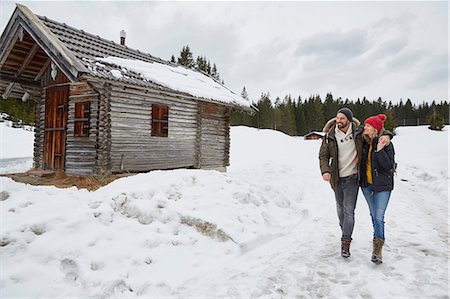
[(377, 202)]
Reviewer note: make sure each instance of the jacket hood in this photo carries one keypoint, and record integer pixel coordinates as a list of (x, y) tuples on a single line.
[(332, 122)]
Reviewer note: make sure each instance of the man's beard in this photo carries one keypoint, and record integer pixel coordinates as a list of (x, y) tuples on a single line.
[(341, 125)]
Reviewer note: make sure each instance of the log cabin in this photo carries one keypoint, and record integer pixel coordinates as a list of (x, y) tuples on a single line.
[(314, 135), (103, 108)]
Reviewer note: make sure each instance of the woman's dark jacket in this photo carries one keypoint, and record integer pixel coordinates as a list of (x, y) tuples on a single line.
[(383, 166)]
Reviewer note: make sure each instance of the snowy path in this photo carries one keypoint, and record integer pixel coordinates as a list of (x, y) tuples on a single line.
[(306, 262)]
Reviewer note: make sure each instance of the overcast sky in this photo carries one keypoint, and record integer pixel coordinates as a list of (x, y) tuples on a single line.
[(353, 49)]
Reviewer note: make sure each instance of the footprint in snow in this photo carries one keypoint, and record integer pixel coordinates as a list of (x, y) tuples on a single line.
[(38, 229), (70, 268)]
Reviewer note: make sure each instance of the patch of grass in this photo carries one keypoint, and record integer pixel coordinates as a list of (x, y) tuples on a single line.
[(206, 228)]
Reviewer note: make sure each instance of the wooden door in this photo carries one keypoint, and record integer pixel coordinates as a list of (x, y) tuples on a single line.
[(55, 127)]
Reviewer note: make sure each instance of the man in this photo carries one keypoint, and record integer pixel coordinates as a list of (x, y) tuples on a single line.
[(339, 155)]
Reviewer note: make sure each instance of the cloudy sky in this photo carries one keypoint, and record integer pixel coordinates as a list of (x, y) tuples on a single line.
[(396, 50)]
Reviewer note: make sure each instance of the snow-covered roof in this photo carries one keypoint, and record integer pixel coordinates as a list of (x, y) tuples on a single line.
[(315, 133), (175, 77)]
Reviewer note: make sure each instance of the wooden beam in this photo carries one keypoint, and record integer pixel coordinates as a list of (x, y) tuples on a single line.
[(9, 48), (27, 60), (8, 90), (44, 67), (13, 79)]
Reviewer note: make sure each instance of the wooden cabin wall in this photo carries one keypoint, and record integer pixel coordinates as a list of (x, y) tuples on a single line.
[(215, 136), (132, 146), (81, 151), (39, 131), (103, 161)]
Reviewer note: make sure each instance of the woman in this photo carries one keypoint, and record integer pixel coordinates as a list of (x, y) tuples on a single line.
[(377, 179)]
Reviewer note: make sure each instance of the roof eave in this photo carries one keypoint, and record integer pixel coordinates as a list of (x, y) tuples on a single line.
[(50, 44)]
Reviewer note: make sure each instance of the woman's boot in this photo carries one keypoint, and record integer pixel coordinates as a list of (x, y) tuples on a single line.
[(377, 256), (374, 249)]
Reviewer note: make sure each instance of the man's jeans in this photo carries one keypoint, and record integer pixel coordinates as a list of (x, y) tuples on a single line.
[(377, 202), (346, 194)]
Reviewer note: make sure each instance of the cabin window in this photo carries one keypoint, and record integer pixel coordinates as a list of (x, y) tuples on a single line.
[(160, 120), (82, 116)]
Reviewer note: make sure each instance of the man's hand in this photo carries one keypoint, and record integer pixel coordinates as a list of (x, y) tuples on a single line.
[(326, 176), (382, 143), (384, 139)]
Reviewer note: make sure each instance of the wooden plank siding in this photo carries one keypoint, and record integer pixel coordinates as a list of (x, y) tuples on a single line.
[(215, 136)]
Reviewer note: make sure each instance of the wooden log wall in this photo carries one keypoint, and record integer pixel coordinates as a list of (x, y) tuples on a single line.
[(81, 152), (132, 147), (215, 136), (39, 131), (103, 161), (198, 131)]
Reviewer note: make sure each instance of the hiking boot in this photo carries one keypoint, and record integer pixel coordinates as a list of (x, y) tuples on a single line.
[(377, 256), (345, 248)]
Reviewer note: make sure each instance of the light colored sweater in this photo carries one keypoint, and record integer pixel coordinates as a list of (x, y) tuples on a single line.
[(346, 152)]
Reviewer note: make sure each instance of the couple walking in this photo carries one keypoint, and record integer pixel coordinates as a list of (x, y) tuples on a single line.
[(353, 156)]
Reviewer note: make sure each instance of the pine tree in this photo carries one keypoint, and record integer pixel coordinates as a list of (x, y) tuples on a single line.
[(265, 113), (389, 124), (288, 117), (318, 120), (239, 117), (186, 57), (409, 110), (303, 127), (172, 59), (276, 115), (300, 118), (208, 68), (330, 107), (436, 121), (214, 73), (200, 64)]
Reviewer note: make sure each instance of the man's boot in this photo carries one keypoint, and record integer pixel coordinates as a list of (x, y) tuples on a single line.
[(345, 248), (377, 256)]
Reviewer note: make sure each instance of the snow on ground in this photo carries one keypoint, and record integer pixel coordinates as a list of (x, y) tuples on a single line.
[(16, 148), (266, 228)]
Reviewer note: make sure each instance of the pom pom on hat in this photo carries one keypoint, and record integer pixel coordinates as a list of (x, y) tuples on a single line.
[(376, 121)]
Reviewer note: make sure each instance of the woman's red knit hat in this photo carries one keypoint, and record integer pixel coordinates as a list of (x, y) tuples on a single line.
[(376, 121)]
